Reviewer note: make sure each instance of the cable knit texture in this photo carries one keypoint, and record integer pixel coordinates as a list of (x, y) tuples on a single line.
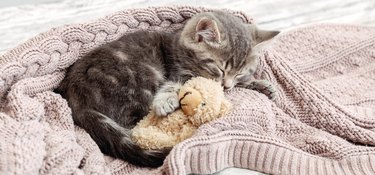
[(322, 121)]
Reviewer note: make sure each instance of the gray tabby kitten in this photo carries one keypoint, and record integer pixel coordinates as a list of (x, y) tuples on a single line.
[(111, 88)]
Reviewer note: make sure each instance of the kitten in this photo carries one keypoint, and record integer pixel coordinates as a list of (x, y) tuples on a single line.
[(111, 88)]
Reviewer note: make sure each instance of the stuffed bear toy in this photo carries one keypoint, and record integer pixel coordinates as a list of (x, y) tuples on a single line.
[(201, 100)]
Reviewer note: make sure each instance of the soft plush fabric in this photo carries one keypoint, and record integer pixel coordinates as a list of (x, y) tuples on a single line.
[(322, 121)]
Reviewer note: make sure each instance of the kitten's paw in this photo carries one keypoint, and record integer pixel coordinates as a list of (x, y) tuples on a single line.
[(165, 103), (265, 87)]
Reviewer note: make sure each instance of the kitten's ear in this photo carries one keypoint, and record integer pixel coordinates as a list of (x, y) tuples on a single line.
[(264, 35), (207, 30), (260, 35)]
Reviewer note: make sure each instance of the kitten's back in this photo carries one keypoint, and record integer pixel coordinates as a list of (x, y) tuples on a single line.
[(111, 88)]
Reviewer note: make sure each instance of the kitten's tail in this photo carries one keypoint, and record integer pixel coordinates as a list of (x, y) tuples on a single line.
[(116, 141)]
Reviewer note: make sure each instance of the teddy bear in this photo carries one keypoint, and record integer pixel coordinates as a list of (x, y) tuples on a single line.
[(201, 100)]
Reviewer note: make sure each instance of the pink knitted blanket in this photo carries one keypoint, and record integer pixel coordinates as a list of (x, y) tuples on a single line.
[(322, 121)]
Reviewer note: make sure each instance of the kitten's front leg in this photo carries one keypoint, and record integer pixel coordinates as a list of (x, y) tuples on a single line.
[(166, 99), (264, 87)]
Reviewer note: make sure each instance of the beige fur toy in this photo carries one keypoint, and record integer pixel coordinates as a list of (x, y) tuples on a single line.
[(202, 100)]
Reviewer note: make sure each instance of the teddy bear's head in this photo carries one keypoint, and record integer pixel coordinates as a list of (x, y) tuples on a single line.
[(203, 100)]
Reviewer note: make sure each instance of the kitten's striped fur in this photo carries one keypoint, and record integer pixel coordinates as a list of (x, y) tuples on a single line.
[(113, 87)]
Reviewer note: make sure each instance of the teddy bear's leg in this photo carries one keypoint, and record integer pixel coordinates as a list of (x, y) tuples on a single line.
[(264, 87), (166, 99)]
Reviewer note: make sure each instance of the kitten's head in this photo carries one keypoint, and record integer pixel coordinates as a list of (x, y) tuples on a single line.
[(223, 46)]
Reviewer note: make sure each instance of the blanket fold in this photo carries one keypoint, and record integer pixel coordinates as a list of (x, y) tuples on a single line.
[(322, 121)]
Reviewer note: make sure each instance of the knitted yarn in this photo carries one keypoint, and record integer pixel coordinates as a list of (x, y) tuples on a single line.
[(322, 121)]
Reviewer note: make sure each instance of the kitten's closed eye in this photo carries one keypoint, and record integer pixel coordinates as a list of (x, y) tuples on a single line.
[(239, 75), (207, 61), (218, 73), (211, 67)]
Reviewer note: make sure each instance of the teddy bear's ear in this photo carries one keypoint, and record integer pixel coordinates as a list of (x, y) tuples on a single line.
[(190, 99)]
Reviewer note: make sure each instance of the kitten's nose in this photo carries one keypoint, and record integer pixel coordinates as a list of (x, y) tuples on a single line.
[(227, 84)]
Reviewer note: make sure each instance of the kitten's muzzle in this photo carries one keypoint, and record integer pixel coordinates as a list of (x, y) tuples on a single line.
[(227, 84)]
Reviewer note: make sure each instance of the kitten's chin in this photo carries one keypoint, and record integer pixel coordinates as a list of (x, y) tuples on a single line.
[(227, 88)]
